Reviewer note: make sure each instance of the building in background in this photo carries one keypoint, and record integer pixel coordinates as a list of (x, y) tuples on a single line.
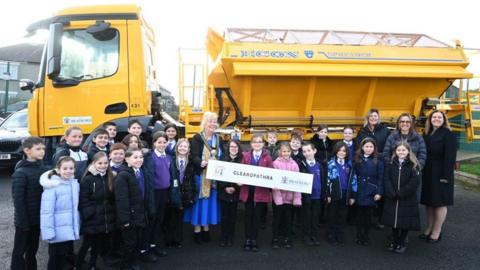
[(21, 61), (168, 102)]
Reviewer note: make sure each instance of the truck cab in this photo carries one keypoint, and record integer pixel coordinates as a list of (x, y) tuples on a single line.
[(97, 66)]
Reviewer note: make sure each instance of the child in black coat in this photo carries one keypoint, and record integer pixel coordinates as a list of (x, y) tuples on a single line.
[(228, 194), (130, 189), (99, 143), (71, 145), (402, 178), (26, 197), (182, 192), (96, 206)]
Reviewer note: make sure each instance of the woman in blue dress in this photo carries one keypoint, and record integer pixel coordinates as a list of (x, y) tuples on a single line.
[(205, 145)]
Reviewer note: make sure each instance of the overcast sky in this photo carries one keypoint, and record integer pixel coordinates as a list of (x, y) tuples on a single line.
[(181, 23)]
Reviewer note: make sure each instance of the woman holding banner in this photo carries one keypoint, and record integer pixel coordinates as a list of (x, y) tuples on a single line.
[(205, 145)]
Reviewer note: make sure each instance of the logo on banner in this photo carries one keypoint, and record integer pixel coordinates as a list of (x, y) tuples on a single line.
[(219, 170), (284, 180)]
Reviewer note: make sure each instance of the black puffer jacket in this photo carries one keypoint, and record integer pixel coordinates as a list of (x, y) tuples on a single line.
[(80, 157), (96, 203), (299, 159), (129, 203), (183, 193), (380, 133), (401, 204), (27, 193), (324, 148), (92, 150)]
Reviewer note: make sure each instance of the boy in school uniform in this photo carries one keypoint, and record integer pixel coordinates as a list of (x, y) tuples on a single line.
[(311, 203), (99, 143), (26, 196), (111, 128)]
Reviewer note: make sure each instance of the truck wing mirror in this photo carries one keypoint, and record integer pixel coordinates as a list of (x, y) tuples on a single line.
[(54, 50), (26, 85)]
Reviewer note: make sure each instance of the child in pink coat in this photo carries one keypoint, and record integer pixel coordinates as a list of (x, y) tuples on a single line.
[(284, 200)]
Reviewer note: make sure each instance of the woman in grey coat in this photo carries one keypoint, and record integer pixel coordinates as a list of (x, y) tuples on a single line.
[(405, 131)]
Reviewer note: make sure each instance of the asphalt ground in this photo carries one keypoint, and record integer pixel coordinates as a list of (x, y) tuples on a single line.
[(459, 248)]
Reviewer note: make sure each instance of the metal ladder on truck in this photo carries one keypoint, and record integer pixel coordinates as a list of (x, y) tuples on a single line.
[(472, 115), (193, 96)]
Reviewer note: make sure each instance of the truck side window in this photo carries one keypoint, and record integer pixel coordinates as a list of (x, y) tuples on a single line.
[(85, 57)]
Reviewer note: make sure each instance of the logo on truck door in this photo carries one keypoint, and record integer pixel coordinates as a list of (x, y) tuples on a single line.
[(77, 120)]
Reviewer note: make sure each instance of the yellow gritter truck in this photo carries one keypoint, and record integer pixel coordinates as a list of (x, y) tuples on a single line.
[(99, 65)]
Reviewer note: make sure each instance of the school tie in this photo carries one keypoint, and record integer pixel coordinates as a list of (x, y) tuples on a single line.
[(138, 174), (311, 163), (182, 165), (256, 157)]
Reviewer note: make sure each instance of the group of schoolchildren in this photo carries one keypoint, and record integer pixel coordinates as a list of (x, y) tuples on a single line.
[(126, 200)]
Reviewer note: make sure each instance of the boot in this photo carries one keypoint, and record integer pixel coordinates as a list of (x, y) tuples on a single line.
[(206, 236), (197, 237)]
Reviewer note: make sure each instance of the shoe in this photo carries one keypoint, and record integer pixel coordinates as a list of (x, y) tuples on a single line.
[(229, 243), (366, 241), (400, 249), (331, 239), (93, 267), (391, 246), (254, 245), (178, 244), (359, 242), (315, 241), (197, 237), (148, 257), (136, 267), (307, 240), (275, 244), (247, 246), (340, 240), (434, 241), (206, 236), (159, 252), (222, 243), (379, 226), (424, 236), (287, 243)]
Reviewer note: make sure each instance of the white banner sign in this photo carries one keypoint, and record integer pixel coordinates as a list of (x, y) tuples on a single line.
[(259, 176)]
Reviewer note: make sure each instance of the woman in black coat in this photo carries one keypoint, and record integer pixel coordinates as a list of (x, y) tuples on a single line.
[(96, 206), (401, 181), (373, 128), (437, 184)]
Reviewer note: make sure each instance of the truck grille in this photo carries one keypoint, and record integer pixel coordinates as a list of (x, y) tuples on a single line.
[(10, 146)]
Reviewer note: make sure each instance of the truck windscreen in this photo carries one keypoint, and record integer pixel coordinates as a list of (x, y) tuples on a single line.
[(85, 57)]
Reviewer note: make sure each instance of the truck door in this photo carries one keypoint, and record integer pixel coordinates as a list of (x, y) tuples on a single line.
[(92, 85)]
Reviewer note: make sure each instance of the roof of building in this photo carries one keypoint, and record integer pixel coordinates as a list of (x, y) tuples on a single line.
[(24, 52)]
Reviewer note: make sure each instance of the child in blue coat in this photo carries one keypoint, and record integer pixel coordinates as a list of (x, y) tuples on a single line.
[(59, 216), (369, 171), (342, 186)]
